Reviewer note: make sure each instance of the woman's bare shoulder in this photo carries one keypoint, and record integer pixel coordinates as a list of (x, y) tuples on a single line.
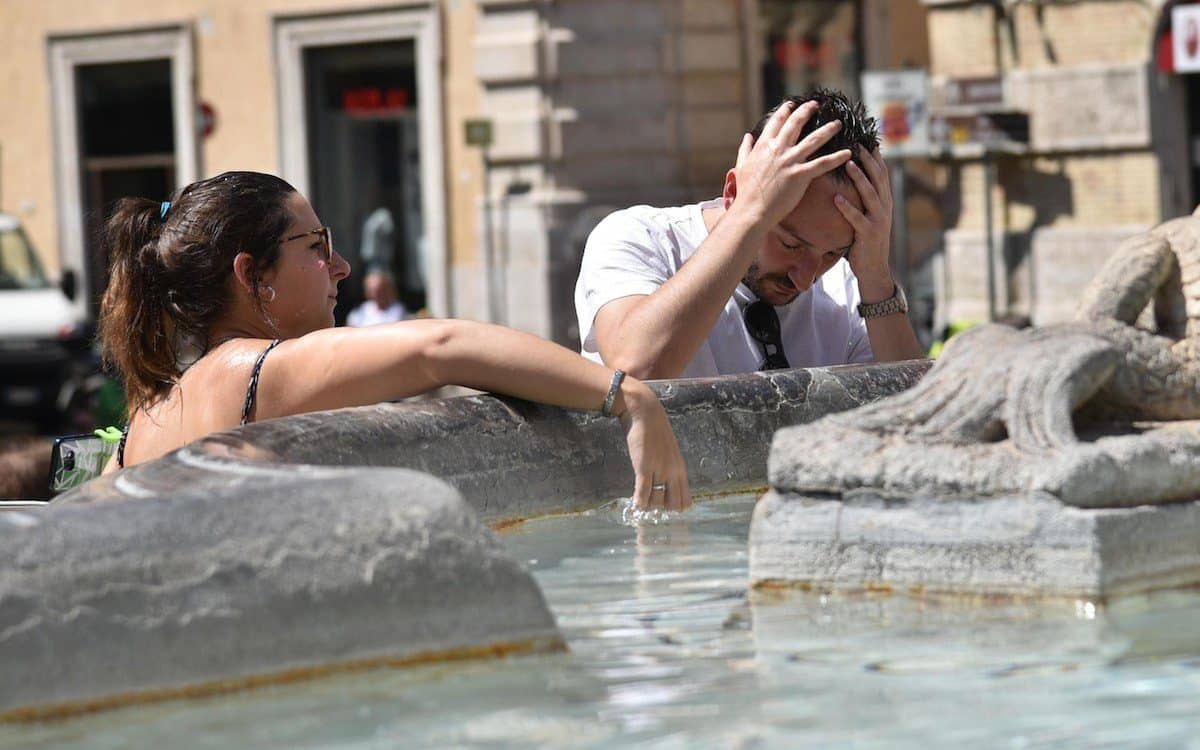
[(208, 398)]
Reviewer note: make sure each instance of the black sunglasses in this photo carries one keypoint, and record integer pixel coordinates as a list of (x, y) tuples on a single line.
[(763, 324), (326, 240)]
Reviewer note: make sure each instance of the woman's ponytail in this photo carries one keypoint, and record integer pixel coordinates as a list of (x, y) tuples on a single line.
[(169, 267), (135, 327)]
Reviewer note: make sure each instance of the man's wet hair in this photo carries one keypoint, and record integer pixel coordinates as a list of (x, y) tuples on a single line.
[(858, 128)]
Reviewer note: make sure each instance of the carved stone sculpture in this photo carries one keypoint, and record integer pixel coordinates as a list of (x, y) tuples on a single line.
[(1082, 410), (1057, 460)]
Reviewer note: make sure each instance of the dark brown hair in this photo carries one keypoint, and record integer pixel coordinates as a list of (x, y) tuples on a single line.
[(858, 128), (168, 271)]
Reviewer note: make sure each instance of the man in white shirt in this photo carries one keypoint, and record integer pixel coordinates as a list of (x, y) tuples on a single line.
[(381, 305), (789, 267)]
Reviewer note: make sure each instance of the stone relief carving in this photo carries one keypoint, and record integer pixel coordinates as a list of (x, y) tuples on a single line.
[(1095, 412)]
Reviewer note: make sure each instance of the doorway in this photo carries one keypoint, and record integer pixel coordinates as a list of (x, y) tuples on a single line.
[(126, 147), (364, 161), (360, 112), (124, 124)]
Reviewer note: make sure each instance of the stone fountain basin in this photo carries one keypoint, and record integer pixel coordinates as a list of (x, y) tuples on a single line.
[(346, 539)]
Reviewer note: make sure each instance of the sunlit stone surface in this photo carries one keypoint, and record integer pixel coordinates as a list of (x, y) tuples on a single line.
[(511, 459), (284, 549), (233, 576), (1063, 460)]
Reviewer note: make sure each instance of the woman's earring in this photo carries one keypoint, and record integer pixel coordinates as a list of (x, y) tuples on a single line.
[(272, 290)]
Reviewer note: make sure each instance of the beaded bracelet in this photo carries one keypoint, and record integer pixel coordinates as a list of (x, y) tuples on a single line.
[(611, 397)]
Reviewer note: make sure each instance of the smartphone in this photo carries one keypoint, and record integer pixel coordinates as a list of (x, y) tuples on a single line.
[(75, 459)]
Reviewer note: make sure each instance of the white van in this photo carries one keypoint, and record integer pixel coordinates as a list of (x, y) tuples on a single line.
[(41, 332)]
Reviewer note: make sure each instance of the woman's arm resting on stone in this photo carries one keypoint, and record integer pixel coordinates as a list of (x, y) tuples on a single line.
[(339, 367)]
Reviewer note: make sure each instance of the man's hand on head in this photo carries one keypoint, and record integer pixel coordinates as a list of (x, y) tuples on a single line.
[(773, 173), (872, 225)]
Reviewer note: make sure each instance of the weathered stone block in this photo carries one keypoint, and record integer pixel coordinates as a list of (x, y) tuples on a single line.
[(512, 459), (620, 171), (709, 13), (963, 41), (1064, 261), (591, 57), (642, 96), (507, 58), (228, 575), (714, 90), (1030, 545), (517, 138), (715, 128), (708, 51), (595, 18), (629, 134), (1074, 34), (966, 292), (1091, 122)]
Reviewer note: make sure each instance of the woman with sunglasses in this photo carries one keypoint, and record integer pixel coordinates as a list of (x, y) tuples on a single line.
[(219, 311)]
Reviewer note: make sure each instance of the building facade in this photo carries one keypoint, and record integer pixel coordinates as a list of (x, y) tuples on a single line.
[(593, 104), (1109, 149)]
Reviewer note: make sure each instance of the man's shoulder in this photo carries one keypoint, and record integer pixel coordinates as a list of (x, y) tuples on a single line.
[(643, 217)]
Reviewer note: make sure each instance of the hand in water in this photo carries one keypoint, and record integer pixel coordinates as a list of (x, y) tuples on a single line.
[(653, 451)]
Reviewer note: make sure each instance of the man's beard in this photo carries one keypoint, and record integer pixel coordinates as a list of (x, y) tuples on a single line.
[(775, 288)]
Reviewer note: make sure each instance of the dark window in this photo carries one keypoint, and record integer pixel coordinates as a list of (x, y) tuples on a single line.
[(127, 144), (364, 161), (809, 43)]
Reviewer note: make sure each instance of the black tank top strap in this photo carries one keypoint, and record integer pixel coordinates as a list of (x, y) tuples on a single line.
[(121, 446), (252, 389)]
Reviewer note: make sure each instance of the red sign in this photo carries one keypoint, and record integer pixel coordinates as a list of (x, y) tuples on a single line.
[(206, 119), (374, 100), (811, 54)]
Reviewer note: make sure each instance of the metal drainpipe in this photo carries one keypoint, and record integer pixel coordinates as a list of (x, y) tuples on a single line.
[(987, 233)]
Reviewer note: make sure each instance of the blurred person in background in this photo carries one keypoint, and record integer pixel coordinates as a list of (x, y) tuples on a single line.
[(380, 305)]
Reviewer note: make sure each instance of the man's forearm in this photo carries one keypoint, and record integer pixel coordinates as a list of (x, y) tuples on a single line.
[(893, 339), (662, 332)]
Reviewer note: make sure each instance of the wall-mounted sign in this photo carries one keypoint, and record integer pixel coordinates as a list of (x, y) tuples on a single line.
[(367, 100), (206, 119), (1185, 36), (899, 100), (987, 91), (987, 129), (369, 92), (811, 54), (478, 132)]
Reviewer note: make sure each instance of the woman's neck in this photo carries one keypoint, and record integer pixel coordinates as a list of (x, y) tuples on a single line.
[(225, 330)]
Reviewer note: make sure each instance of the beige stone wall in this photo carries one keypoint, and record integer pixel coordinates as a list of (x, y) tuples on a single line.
[(963, 41), (1084, 191), (895, 34), (1067, 35), (234, 73), (595, 115), (1094, 173), (462, 101)]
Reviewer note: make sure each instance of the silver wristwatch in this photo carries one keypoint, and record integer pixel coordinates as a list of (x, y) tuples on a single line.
[(897, 303)]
